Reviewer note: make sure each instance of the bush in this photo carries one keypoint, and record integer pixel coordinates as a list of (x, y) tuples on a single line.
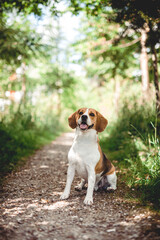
[(132, 141), (20, 137)]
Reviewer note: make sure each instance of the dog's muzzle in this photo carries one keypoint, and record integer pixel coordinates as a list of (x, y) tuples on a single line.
[(83, 125)]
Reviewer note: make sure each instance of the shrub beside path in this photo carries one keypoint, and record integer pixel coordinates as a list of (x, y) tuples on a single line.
[(31, 209)]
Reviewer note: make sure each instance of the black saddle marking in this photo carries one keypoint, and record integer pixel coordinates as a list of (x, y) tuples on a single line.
[(106, 165)]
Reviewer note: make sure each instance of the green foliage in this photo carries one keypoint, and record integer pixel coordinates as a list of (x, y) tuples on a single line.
[(108, 54), (23, 6), (18, 42), (132, 141), (139, 16), (91, 7), (130, 122), (57, 78), (131, 15), (21, 136), (109, 50), (145, 168), (130, 11)]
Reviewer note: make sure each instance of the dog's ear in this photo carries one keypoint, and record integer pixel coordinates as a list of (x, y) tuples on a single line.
[(72, 120), (101, 122)]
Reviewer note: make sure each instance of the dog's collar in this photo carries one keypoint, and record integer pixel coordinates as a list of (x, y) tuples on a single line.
[(89, 127)]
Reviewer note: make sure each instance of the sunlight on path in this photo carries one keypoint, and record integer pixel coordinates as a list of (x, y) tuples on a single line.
[(66, 139)]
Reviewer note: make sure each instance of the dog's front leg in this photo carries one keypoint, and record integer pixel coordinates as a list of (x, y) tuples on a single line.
[(91, 182), (70, 176)]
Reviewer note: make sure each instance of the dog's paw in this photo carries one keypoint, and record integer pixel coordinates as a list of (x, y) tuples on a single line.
[(78, 188), (110, 189), (88, 201), (96, 188), (64, 196)]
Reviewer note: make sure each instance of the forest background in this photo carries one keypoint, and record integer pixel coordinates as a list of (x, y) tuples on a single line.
[(111, 65)]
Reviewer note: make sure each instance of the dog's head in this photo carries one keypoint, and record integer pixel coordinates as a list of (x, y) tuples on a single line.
[(86, 119)]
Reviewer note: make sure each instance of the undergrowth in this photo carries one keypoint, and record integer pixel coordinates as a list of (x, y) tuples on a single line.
[(22, 135), (133, 141)]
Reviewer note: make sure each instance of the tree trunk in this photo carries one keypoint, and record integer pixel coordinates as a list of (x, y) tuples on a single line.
[(156, 82), (144, 65)]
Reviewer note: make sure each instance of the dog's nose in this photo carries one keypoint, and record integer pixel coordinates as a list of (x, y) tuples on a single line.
[(84, 117)]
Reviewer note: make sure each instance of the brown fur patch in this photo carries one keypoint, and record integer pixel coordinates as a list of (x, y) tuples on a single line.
[(73, 118), (101, 122), (104, 165)]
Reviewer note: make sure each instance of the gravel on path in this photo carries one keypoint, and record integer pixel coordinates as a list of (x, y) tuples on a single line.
[(30, 208)]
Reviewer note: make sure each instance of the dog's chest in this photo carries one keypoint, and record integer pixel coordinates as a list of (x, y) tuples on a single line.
[(83, 155)]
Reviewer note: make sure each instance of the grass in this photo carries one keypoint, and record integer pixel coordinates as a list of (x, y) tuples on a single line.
[(132, 141), (22, 136)]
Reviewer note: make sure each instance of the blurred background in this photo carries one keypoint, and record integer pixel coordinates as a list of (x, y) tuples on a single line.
[(58, 56)]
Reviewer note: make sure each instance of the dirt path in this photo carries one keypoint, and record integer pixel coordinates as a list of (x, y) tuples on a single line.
[(31, 209)]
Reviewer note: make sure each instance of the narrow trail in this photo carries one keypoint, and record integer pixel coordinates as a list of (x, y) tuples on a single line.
[(31, 209)]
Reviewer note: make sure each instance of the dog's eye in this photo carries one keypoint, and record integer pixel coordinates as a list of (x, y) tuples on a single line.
[(80, 113), (92, 114)]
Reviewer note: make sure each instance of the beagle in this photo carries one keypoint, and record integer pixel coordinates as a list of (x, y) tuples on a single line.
[(86, 157)]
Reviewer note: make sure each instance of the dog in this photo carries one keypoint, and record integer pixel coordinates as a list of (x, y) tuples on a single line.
[(86, 157)]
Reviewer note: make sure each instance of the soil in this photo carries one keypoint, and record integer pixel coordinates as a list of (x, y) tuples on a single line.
[(31, 209)]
